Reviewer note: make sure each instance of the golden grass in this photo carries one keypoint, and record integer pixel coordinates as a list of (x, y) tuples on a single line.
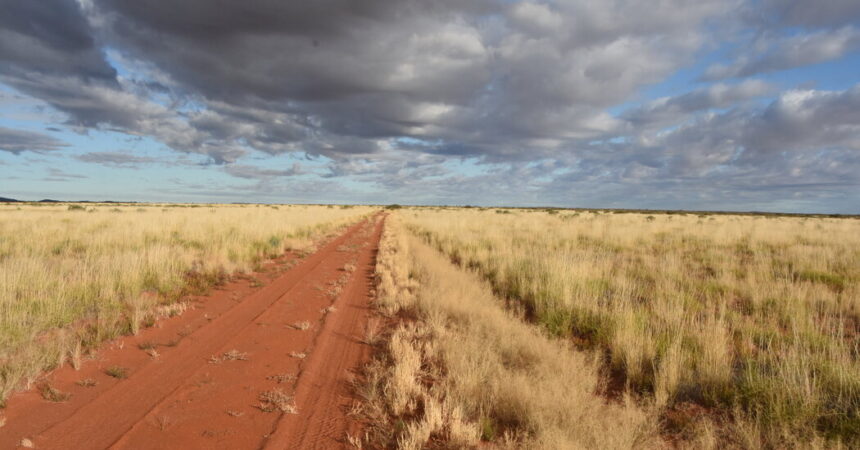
[(756, 320), (74, 275), (277, 400), (458, 368)]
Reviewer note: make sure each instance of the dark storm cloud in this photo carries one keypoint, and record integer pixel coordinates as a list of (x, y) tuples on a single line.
[(483, 79), (312, 51), (338, 77), (17, 141), (388, 92), (49, 36)]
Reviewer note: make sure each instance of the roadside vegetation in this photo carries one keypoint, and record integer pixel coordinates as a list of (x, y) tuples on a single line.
[(74, 275), (736, 330), (454, 367)]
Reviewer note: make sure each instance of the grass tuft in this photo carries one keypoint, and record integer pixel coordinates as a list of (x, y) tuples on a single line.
[(117, 372), (86, 382), (52, 394), (303, 325), (277, 400), (232, 355)]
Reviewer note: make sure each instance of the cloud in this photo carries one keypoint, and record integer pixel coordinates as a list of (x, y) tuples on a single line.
[(258, 173), (776, 54), (820, 13), (808, 120), (475, 78), (479, 79), (674, 109), (94, 105), (50, 37), (55, 174), (800, 126), (447, 99), (116, 159), (18, 141)]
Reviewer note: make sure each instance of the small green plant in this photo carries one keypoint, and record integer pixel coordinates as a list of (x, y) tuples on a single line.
[(833, 281), (488, 429), (77, 208)]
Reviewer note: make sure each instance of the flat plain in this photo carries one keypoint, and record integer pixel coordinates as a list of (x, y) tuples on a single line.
[(74, 275), (739, 329), (427, 327)]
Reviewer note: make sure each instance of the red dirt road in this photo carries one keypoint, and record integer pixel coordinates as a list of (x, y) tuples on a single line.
[(245, 368)]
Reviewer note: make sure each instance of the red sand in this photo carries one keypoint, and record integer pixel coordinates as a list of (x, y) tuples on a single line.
[(184, 399)]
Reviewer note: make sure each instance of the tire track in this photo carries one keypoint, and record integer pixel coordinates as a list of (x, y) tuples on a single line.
[(323, 391), (117, 415)]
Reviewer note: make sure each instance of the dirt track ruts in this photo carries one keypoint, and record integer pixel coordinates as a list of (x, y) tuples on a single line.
[(190, 396)]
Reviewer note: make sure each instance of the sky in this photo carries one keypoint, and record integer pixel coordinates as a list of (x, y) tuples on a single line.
[(658, 104)]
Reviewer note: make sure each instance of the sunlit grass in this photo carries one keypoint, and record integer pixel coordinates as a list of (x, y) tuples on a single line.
[(79, 274), (461, 369), (751, 317)]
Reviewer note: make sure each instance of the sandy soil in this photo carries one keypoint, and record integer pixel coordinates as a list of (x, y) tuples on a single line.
[(248, 366)]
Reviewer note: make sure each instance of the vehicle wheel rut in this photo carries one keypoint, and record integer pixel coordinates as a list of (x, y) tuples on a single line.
[(235, 380)]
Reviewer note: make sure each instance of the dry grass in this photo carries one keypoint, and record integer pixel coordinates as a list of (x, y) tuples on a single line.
[(117, 372), (302, 326), (71, 278), (148, 345), (53, 394), (756, 320), (232, 355), (277, 400), (462, 369), (86, 382), (281, 378)]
